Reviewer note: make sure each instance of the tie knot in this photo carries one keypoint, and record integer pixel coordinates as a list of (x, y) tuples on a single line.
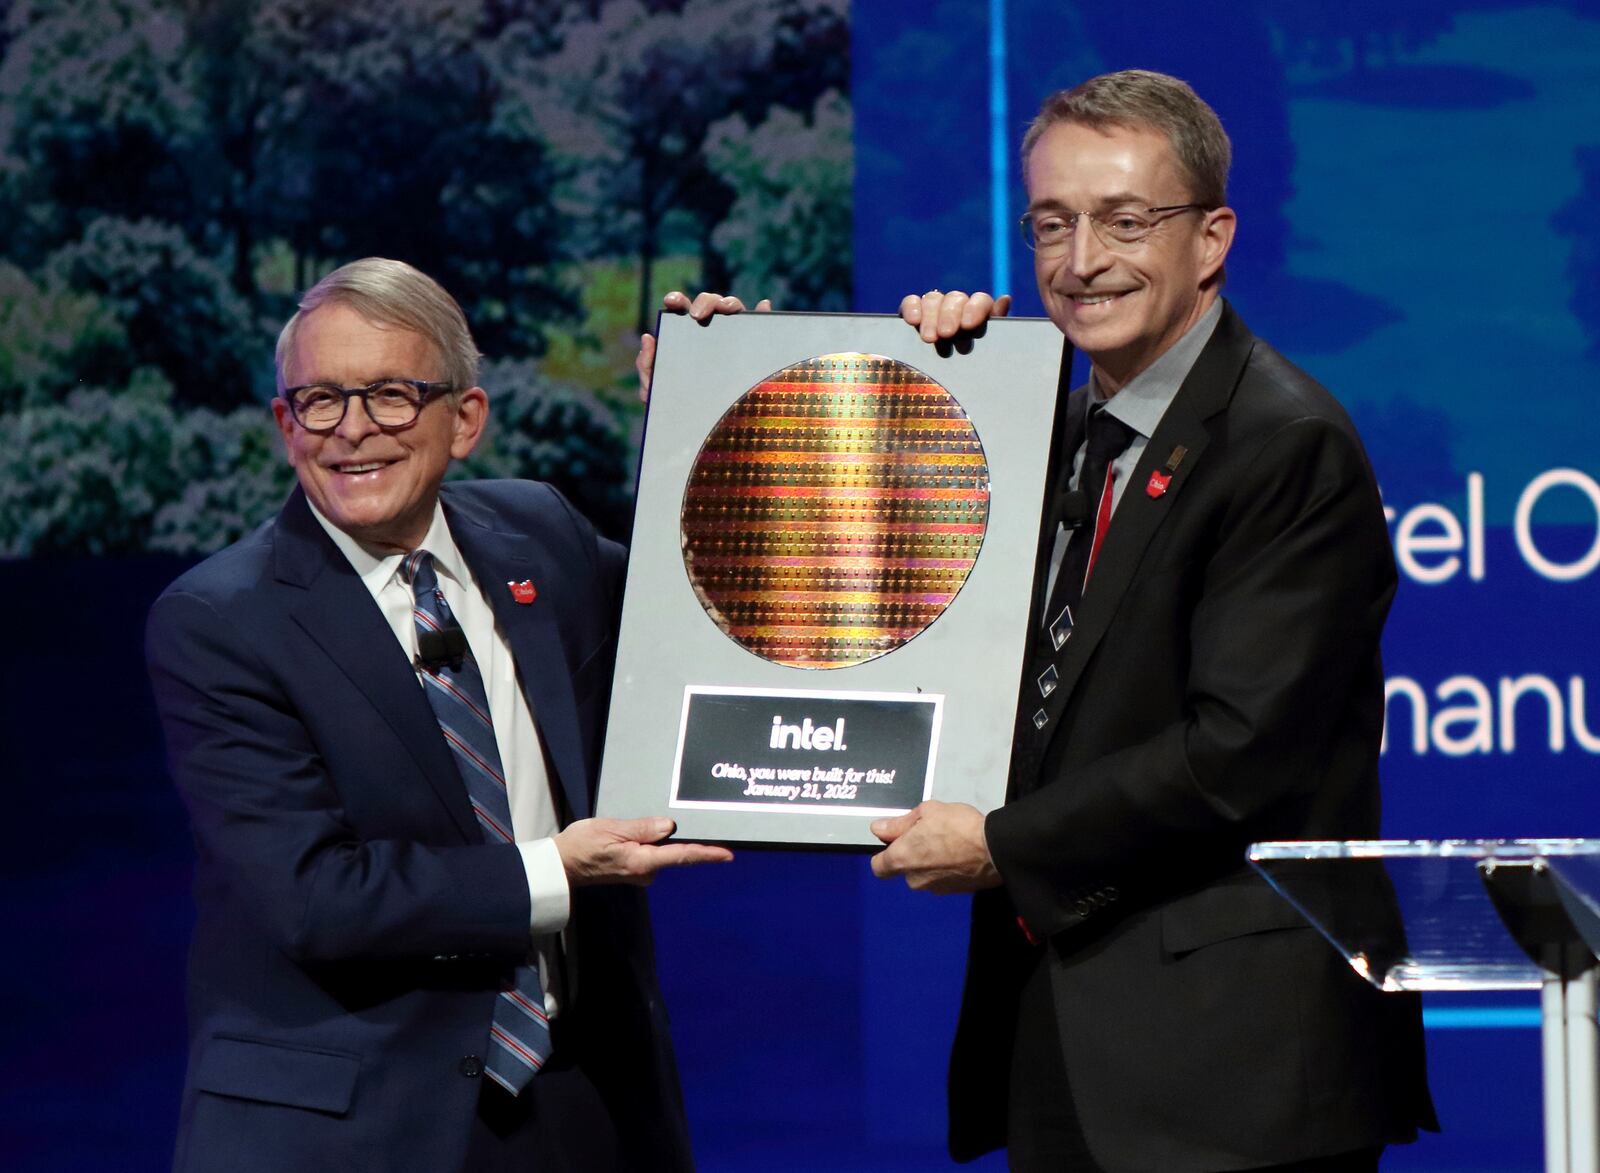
[(416, 568), (1108, 436)]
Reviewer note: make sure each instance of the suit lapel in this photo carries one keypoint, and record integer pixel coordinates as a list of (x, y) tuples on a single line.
[(1204, 392), (498, 558), (337, 611)]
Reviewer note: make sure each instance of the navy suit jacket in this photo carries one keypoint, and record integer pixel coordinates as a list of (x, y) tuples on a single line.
[(352, 924), (1223, 686)]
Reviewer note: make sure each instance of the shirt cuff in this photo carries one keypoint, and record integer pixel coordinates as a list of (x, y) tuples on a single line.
[(547, 886)]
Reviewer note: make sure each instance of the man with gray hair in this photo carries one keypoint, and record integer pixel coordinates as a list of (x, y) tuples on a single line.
[(414, 948), (1204, 674)]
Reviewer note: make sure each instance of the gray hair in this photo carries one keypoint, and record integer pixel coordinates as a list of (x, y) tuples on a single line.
[(1143, 99), (393, 293)]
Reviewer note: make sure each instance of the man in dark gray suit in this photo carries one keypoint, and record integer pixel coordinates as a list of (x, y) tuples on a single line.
[(1206, 674)]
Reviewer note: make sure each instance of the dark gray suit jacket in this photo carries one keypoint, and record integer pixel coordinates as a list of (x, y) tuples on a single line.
[(1223, 686)]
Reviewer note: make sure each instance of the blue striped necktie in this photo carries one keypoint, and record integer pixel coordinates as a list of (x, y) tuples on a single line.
[(519, 1036)]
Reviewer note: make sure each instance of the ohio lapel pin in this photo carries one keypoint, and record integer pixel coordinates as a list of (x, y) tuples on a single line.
[(523, 591)]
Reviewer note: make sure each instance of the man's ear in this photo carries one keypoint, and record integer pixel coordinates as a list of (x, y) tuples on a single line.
[(1216, 238), (472, 416), (280, 413)]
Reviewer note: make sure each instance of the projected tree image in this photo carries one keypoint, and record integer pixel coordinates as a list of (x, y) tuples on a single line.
[(171, 175)]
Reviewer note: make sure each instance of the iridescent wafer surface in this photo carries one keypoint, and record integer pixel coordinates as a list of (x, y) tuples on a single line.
[(835, 510)]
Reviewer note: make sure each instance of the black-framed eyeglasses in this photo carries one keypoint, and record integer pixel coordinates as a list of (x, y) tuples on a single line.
[(392, 404), (1127, 228)]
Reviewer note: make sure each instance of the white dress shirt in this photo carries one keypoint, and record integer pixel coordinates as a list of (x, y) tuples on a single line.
[(533, 813)]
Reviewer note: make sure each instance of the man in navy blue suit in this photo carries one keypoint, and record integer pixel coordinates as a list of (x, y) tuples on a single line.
[(365, 916)]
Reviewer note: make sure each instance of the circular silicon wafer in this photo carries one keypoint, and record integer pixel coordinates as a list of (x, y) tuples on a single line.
[(835, 510)]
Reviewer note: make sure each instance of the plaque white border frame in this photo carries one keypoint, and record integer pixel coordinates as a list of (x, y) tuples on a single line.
[(1007, 380)]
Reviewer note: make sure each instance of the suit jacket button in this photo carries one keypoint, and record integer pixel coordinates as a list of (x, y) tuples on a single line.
[(472, 1067)]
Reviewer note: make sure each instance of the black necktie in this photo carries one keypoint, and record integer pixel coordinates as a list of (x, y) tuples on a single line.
[(1106, 439)]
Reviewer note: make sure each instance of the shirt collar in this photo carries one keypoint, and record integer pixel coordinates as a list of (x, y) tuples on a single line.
[(376, 568), (1145, 399)]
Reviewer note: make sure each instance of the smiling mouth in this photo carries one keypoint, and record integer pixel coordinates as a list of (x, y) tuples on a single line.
[(1096, 298), (358, 469)]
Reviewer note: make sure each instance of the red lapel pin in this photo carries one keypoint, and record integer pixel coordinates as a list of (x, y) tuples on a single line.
[(1157, 484), (523, 591)]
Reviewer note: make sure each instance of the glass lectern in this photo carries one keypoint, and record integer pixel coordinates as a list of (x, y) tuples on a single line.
[(1457, 915)]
